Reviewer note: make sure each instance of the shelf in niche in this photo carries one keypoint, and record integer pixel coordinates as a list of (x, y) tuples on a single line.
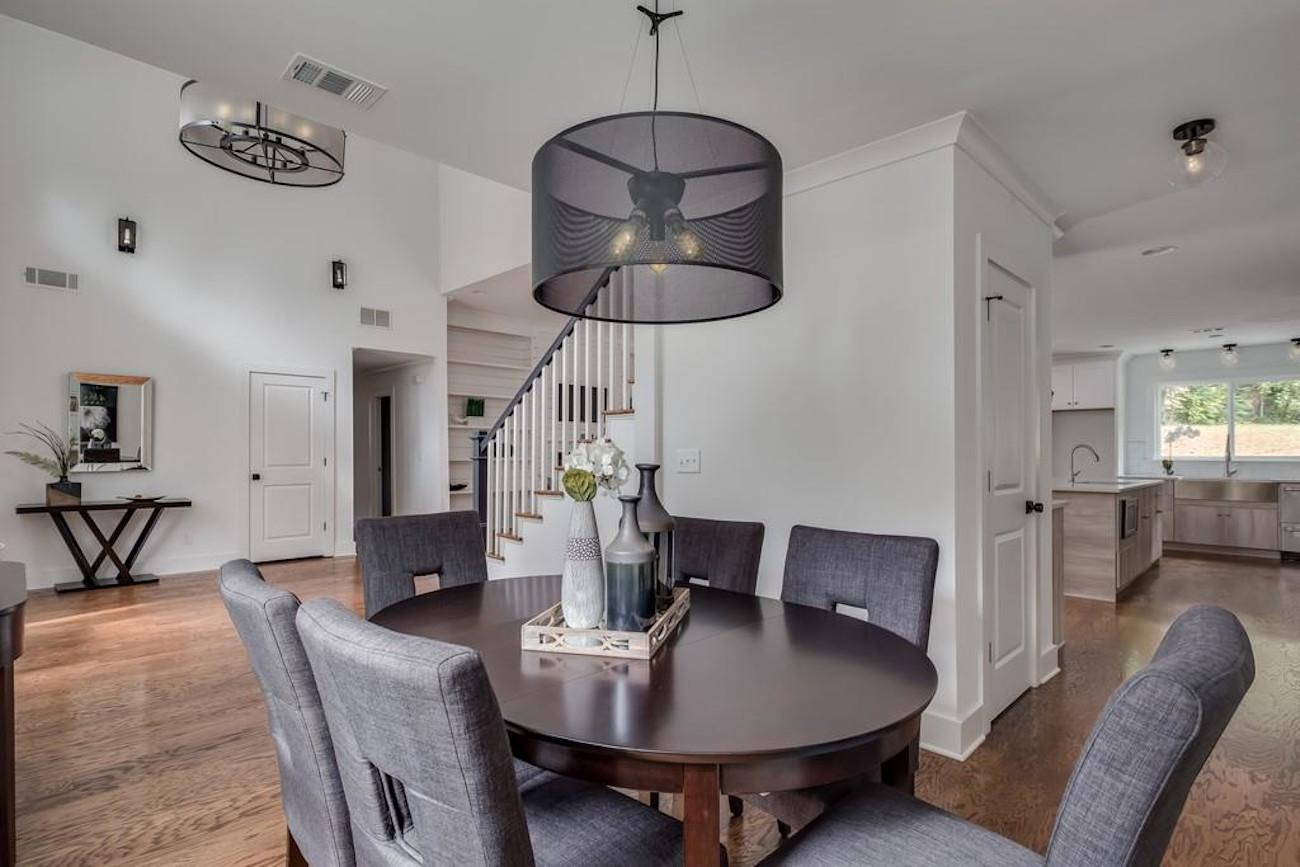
[(497, 365)]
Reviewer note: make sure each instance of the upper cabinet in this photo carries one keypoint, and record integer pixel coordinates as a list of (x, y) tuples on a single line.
[(1083, 385)]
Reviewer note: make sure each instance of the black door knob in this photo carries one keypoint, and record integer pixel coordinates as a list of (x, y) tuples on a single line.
[(257, 477), (1031, 507)]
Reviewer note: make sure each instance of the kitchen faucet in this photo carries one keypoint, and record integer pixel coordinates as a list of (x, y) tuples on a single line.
[(1228, 469), (1074, 474)]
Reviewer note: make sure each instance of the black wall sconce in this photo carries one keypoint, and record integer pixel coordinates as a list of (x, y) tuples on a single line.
[(126, 235), (339, 274)]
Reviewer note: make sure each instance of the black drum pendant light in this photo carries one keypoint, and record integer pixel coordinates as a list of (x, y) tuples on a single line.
[(657, 217)]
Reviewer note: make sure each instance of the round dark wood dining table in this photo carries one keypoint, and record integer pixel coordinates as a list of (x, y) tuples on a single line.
[(751, 695)]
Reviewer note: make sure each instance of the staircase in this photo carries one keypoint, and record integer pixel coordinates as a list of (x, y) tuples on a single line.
[(581, 388)]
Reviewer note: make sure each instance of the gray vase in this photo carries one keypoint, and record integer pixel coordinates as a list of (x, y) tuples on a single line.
[(629, 575), (582, 586), (658, 526)]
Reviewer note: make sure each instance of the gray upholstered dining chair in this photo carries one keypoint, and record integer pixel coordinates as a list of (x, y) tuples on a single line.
[(393, 551), (310, 788), (418, 717), (1124, 797), (724, 553), (891, 578)]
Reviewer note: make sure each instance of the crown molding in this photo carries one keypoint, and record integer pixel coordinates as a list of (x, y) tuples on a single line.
[(959, 130)]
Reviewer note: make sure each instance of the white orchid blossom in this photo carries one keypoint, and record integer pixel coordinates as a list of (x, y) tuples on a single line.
[(603, 459)]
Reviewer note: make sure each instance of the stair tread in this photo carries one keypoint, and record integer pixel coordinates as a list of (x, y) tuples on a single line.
[(549, 493), (532, 515), (511, 536), (497, 557), (619, 412)]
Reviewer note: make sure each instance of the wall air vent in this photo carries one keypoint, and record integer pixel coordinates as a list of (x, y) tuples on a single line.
[(333, 80), (48, 278), (377, 318)]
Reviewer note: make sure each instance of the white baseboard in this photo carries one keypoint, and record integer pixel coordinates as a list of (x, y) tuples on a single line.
[(951, 737)]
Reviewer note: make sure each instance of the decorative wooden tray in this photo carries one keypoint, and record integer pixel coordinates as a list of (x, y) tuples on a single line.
[(547, 631)]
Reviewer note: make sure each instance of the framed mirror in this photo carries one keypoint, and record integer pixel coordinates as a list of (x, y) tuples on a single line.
[(110, 419)]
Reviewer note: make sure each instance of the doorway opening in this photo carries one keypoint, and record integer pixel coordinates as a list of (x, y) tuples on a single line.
[(397, 462)]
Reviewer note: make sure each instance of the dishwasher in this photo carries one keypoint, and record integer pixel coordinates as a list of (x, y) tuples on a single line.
[(1288, 516)]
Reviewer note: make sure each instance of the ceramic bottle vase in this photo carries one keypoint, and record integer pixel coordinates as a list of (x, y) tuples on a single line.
[(658, 526), (629, 575), (582, 586)]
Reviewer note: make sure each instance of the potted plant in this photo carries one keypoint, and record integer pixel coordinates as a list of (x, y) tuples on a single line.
[(590, 466), (1183, 431), (59, 462)]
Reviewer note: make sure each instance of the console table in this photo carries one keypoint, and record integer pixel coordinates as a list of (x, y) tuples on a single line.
[(89, 568)]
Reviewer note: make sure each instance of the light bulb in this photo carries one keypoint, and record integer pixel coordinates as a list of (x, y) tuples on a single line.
[(1198, 162), (1228, 355), (1167, 360), (626, 236), (1294, 349), (658, 267)]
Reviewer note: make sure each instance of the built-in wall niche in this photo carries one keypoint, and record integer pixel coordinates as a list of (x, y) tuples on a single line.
[(110, 421)]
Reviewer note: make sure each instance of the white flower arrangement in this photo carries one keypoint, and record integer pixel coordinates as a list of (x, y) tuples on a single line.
[(593, 464)]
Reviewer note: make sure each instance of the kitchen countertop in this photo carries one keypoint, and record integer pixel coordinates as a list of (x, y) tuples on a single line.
[(1107, 486)]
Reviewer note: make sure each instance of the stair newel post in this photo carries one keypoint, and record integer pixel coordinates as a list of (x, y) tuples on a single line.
[(480, 485)]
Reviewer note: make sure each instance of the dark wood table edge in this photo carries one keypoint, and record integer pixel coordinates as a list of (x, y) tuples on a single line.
[(89, 570)]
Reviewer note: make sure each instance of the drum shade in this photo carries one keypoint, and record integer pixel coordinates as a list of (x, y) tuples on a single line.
[(253, 139), (657, 217)]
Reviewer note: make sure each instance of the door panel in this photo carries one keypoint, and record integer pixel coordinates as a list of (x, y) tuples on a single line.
[(291, 494), (1009, 558)]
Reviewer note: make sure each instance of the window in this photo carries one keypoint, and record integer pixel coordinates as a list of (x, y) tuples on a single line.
[(1263, 419), (1266, 419)]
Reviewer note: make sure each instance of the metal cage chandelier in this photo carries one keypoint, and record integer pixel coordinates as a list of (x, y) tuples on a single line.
[(253, 139), (657, 217)]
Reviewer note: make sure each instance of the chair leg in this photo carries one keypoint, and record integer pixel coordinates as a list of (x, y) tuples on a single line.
[(782, 828), (292, 854), (737, 805), (654, 800)]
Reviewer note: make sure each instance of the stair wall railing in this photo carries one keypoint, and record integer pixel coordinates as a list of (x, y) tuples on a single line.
[(583, 378)]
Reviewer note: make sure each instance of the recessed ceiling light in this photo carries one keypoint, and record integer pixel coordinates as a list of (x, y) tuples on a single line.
[(1159, 251)]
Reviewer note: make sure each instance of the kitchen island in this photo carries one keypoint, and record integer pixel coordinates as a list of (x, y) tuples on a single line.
[(1112, 534)]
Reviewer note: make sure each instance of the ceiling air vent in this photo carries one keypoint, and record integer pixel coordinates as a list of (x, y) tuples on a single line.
[(333, 80), (48, 278)]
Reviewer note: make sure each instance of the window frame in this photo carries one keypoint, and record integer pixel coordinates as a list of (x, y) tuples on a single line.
[(1231, 383)]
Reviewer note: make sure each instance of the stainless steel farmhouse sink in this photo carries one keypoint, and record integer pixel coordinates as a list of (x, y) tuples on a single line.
[(1226, 490)]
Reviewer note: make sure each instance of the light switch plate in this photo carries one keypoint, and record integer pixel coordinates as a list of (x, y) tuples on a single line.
[(688, 460)]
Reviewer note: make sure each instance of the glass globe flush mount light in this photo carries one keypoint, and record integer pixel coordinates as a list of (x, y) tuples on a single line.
[(1293, 351), (1228, 356), (657, 216), (1167, 360), (1199, 160)]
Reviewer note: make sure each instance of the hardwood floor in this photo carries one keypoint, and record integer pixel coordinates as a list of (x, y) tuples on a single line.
[(142, 738)]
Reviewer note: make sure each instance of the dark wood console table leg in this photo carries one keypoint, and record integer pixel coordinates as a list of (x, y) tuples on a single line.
[(74, 548), (700, 797), (107, 551)]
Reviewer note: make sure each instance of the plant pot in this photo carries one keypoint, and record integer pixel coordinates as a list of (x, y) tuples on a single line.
[(1168, 464), (63, 493), (582, 586), (629, 575)]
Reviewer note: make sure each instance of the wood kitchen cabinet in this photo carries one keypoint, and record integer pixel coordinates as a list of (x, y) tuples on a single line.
[(1227, 525), (1084, 385)]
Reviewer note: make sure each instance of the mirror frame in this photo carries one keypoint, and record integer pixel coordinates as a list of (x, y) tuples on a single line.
[(75, 380)]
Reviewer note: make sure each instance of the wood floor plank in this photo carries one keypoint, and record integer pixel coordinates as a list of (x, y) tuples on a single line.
[(142, 739)]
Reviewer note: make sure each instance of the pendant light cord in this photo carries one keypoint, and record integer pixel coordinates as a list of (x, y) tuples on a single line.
[(656, 18)]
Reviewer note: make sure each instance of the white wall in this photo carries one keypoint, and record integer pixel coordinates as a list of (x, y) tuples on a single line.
[(1144, 377), (852, 404), (485, 228), (1094, 427), (419, 467), (230, 273)]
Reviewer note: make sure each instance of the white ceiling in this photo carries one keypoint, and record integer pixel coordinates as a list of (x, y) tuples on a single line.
[(1081, 95)]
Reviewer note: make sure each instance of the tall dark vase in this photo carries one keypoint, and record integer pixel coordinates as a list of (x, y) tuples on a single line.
[(658, 525), (629, 575)]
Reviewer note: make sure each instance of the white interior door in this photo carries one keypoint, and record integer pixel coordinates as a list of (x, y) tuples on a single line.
[(1009, 551), (290, 488)]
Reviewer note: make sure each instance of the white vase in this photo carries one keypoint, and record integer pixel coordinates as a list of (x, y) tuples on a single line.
[(582, 589)]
